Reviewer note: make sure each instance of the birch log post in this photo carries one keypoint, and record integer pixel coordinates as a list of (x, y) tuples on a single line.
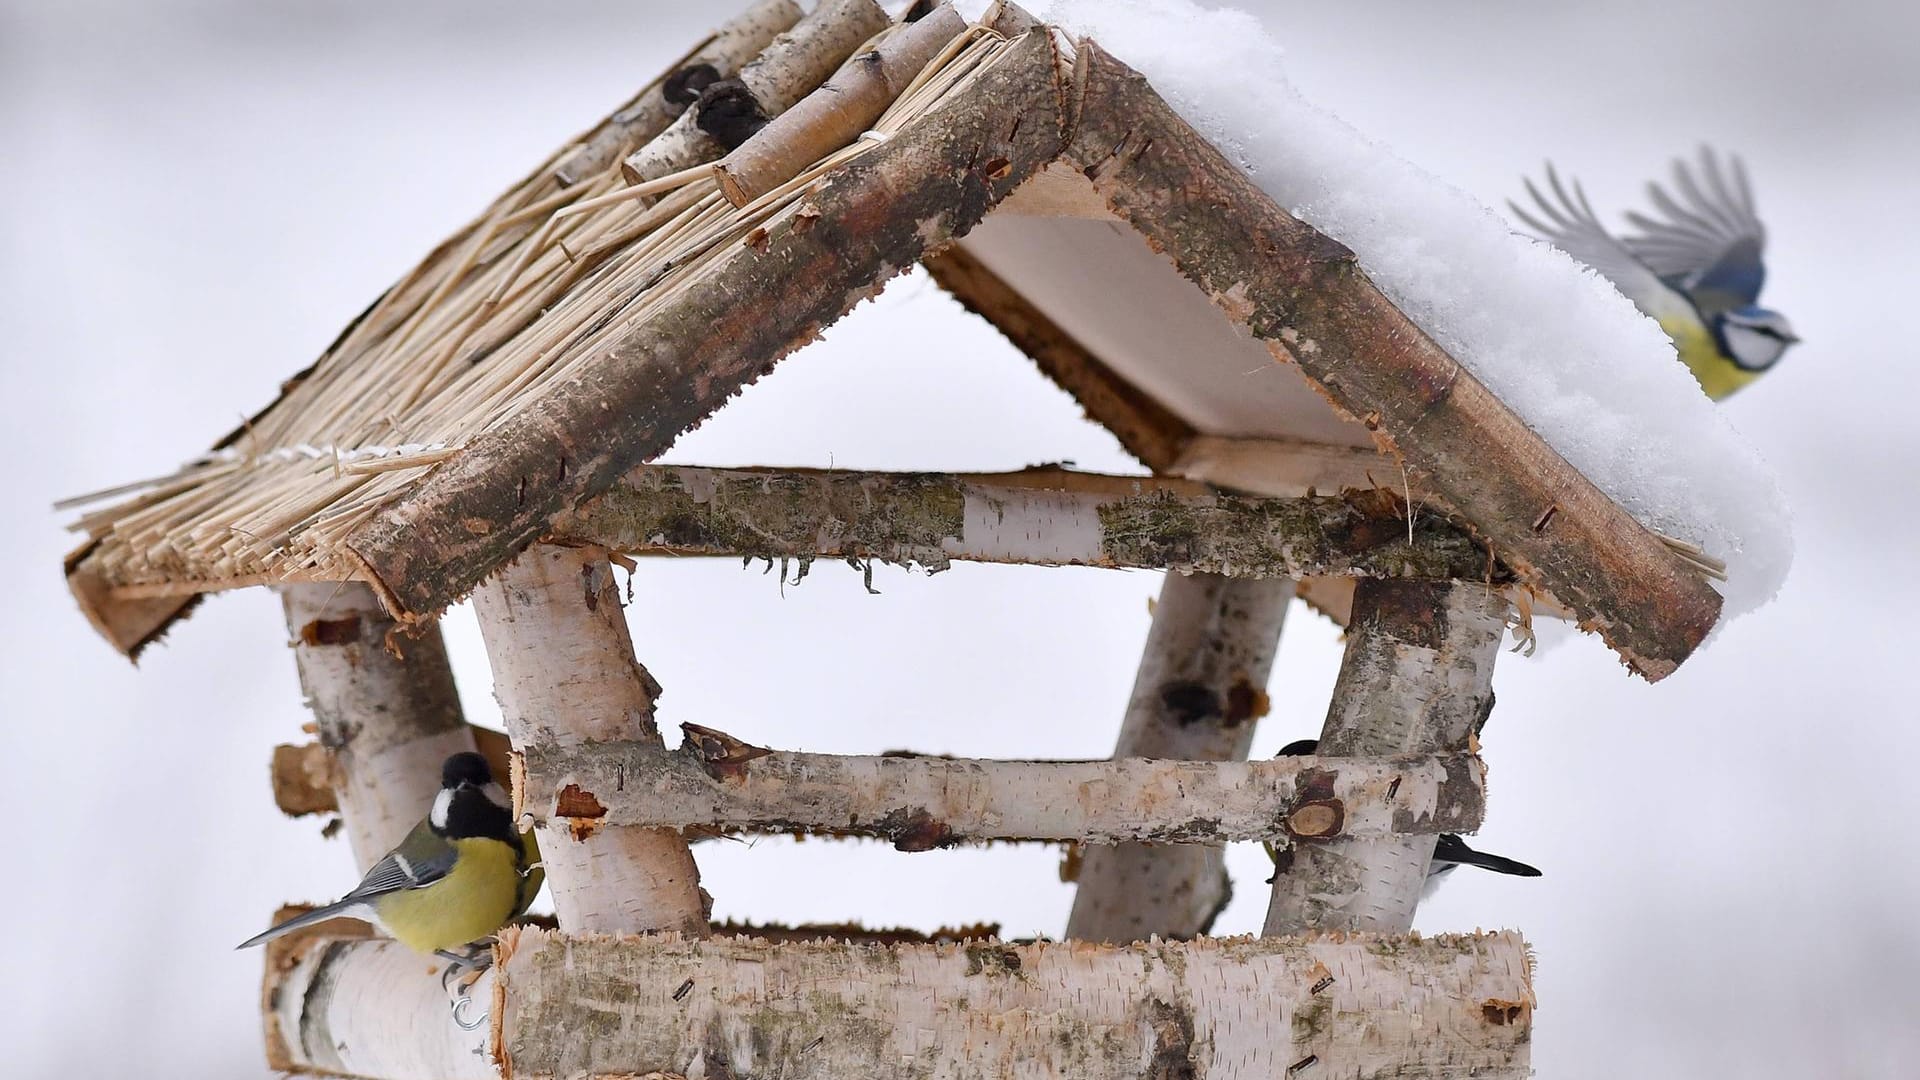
[(835, 114), (1247, 1009), (565, 674), (920, 803), (793, 64), (384, 704), (1416, 677), (1200, 688)]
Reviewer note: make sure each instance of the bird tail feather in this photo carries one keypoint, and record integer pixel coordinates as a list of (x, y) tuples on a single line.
[(301, 922)]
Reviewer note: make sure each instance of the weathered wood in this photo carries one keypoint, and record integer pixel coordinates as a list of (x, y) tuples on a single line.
[(734, 44), (933, 180), (1416, 678), (1211, 1010), (566, 677), (1200, 689), (1305, 297), (920, 803), (835, 113), (337, 1004), (1278, 468), (1046, 517), (790, 66), (384, 704), (1147, 429), (304, 780)]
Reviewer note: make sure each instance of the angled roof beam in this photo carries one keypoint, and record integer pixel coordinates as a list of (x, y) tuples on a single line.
[(1306, 298), (929, 183)]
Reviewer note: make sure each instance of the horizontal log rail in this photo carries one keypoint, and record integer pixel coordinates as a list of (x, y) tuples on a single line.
[(657, 1005), (920, 803), (1042, 517)]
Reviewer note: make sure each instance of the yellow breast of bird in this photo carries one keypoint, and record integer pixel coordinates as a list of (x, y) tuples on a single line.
[(476, 899), (1716, 372)]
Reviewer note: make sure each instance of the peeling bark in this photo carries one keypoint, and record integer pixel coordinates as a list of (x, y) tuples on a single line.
[(1205, 1010), (1416, 678), (565, 674), (385, 707), (1201, 687), (1040, 517), (920, 803), (1306, 298)]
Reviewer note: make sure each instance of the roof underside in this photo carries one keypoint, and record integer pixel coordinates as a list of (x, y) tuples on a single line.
[(532, 360)]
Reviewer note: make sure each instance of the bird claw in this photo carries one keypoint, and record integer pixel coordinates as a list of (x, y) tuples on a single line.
[(462, 971)]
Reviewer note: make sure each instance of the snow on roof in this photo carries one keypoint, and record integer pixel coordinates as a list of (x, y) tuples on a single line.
[(1579, 363)]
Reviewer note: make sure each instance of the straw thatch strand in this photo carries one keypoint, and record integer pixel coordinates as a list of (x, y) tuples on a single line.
[(649, 382)]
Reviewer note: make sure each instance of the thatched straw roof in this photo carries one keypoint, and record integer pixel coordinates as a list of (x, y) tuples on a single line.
[(626, 288)]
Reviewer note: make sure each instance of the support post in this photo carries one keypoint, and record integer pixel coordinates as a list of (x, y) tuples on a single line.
[(565, 675), (1201, 686), (1416, 678), (385, 706)]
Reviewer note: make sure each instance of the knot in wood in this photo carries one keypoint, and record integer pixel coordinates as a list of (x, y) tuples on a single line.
[(1317, 820)]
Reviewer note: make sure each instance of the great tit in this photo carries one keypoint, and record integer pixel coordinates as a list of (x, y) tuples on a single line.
[(461, 874), (1449, 852), (1696, 270)]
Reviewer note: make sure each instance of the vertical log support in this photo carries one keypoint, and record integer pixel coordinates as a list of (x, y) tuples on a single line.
[(384, 704), (1417, 677), (1201, 686), (565, 675)]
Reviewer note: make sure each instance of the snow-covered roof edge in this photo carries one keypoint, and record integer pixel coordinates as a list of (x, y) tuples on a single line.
[(1596, 379)]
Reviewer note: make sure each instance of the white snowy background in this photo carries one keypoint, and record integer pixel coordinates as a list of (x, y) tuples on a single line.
[(198, 194)]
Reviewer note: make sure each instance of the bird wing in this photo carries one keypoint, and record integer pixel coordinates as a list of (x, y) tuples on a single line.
[(1708, 240), (420, 860), (1567, 221)]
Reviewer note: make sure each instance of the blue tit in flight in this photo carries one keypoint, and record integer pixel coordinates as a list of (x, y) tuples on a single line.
[(1695, 269), (1449, 852), (461, 874)]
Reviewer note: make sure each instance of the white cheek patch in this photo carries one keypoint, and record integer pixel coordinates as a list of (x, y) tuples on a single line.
[(437, 817), (495, 795)]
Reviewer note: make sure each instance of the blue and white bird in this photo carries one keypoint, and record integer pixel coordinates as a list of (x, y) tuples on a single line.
[(1696, 269)]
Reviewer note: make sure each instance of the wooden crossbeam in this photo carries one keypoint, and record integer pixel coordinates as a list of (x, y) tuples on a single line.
[(659, 1004), (920, 803), (1045, 517)]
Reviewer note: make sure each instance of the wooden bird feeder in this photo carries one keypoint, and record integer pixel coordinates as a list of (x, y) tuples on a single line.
[(486, 429)]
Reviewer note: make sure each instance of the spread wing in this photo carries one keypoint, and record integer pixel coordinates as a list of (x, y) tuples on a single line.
[(1708, 240), (1567, 221)]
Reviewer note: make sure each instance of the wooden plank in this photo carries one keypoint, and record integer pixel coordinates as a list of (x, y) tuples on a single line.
[(1200, 690), (1304, 296), (1417, 677), (1147, 429), (1046, 517), (911, 195), (920, 803)]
